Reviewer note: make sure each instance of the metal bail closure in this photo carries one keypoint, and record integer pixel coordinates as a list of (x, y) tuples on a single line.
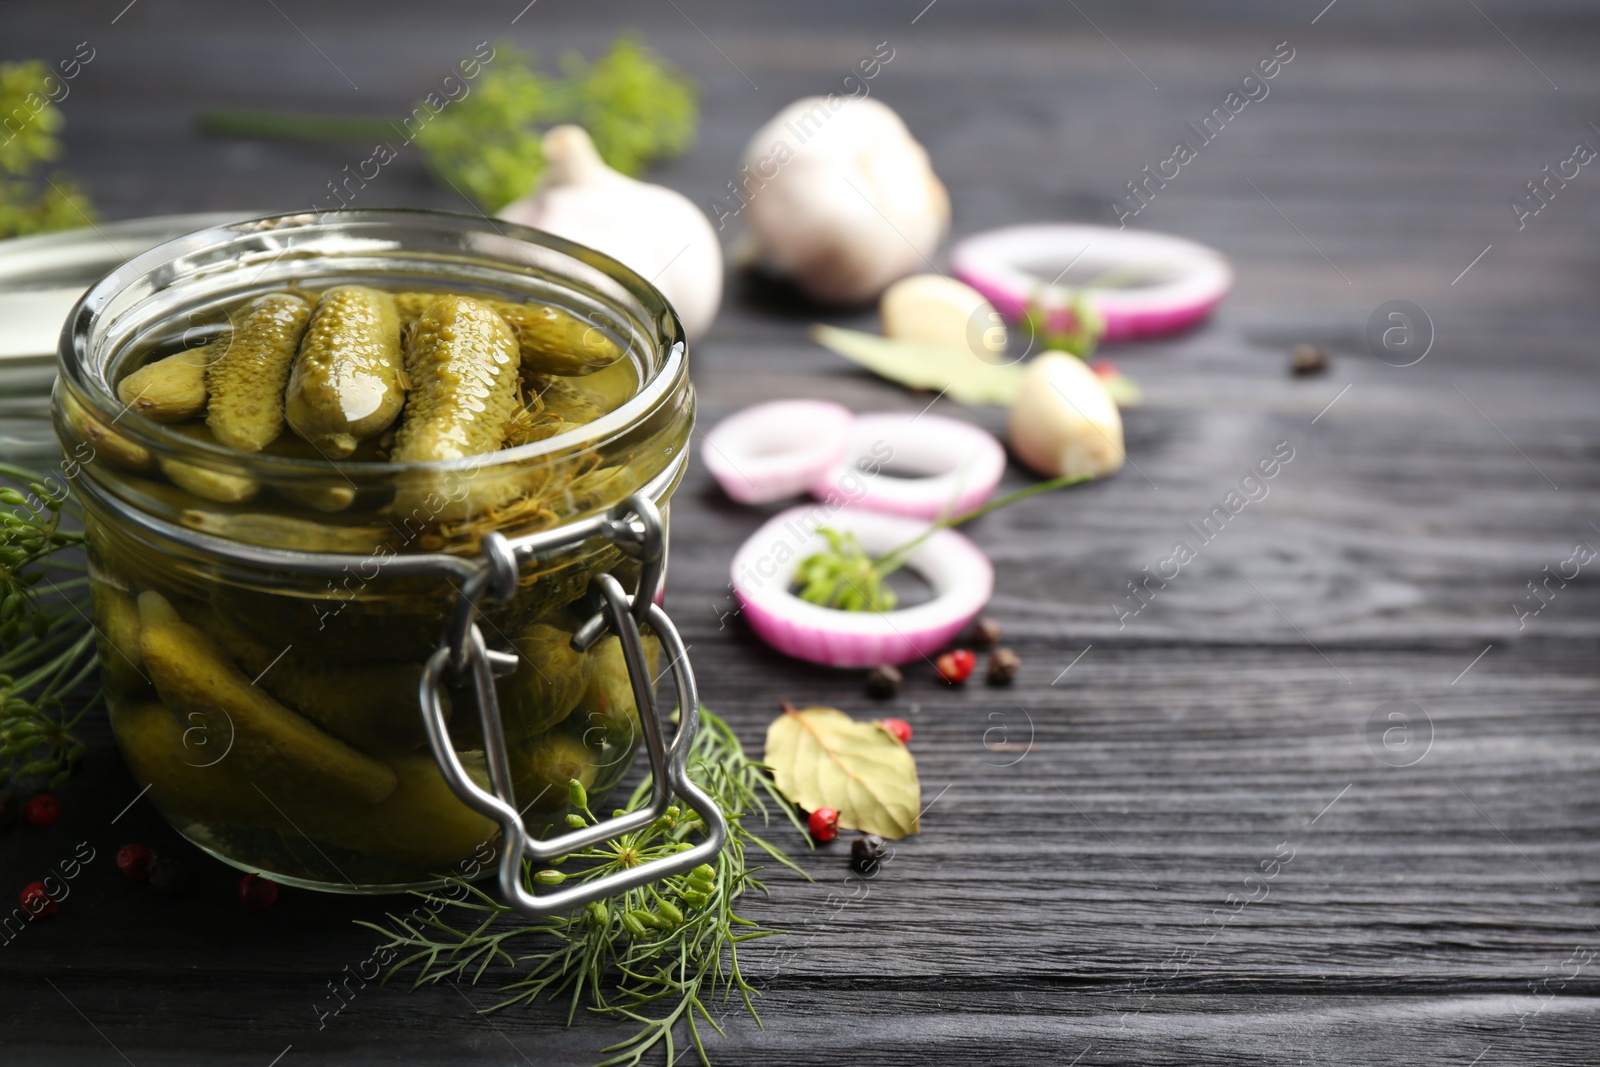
[(636, 528)]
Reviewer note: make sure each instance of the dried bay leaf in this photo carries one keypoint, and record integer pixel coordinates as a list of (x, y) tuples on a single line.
[(822, 758), (960, 374)]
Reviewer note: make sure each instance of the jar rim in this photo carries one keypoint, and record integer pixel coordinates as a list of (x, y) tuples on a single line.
[(88, 381)]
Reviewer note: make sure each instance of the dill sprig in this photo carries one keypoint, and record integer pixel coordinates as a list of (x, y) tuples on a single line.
[(662, 956), (32, 201), (46, 642), (846, 577), (1081, 338), (487, 143), (635, 106)]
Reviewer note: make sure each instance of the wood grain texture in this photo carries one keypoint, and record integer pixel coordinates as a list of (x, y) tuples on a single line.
[(1090, 881)]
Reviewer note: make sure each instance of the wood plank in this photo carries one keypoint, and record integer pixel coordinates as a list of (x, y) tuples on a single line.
[(1069, 895)]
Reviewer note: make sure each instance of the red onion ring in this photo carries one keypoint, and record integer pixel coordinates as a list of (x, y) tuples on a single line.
[(963, 464), (771, 451), (1017, 264), (764, 567)]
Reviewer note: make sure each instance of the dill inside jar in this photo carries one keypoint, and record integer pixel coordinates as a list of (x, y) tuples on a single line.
[(265, 422)]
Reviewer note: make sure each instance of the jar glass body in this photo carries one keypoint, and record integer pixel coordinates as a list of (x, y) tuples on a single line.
[(272, 708)]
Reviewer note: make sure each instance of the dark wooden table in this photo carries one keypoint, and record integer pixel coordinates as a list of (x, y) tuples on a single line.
[(1078, 892)]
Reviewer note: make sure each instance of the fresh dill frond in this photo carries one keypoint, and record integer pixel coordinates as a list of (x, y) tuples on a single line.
[(664, 956), (46, 643), (32, 201)]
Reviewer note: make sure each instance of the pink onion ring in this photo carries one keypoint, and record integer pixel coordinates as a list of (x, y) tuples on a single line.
[(1020, 264), (771, 451), (764, 568), (963, 464)]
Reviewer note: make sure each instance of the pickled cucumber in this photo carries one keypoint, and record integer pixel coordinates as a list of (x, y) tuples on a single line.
[(213, 485), (331, 494), (284, 531), (272, 747), (609, 708), (562, 399), (372, 706), (597, 488), (422, 822), (116, 623), (175, 759), (347, 383), (549, 681), (247, 378), (357, 622), (169, 390), (554, 341), (462, 360), (328, 498), (541, 770), (205, 482), (410, 306), (103, 439), (293, 446)]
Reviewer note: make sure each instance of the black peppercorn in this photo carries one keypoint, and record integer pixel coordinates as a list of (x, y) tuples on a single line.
[(1003, 664), (168, 877), (865, 852), (1306, 360), (884, 681), (8, 809), (986, 632)]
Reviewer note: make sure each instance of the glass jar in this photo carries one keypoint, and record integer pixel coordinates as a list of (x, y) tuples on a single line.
[(272, 709)]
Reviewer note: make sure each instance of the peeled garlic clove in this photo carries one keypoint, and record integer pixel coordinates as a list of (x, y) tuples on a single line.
[(1063, 421), (657, 232), (841, 198), (937, 310)]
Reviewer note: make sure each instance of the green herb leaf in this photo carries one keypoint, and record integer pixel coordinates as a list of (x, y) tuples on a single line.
[(30, 201), (487, 145), (46, 645), (59, 205), (291, 126), (822, 758), (635, 107), (32, 121), (1080, 339), (1124, 391), (660, 956), (959, 374), (843, 576)]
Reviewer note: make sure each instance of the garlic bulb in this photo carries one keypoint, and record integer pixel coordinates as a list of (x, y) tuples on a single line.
[(937, 310), (841, 197), (657, 232), (1063, 422)]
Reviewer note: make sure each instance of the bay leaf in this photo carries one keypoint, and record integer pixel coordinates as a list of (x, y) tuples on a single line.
[(962, 376), (822, 758)]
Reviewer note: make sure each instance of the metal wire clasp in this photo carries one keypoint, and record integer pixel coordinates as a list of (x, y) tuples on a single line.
[(636, 528)]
